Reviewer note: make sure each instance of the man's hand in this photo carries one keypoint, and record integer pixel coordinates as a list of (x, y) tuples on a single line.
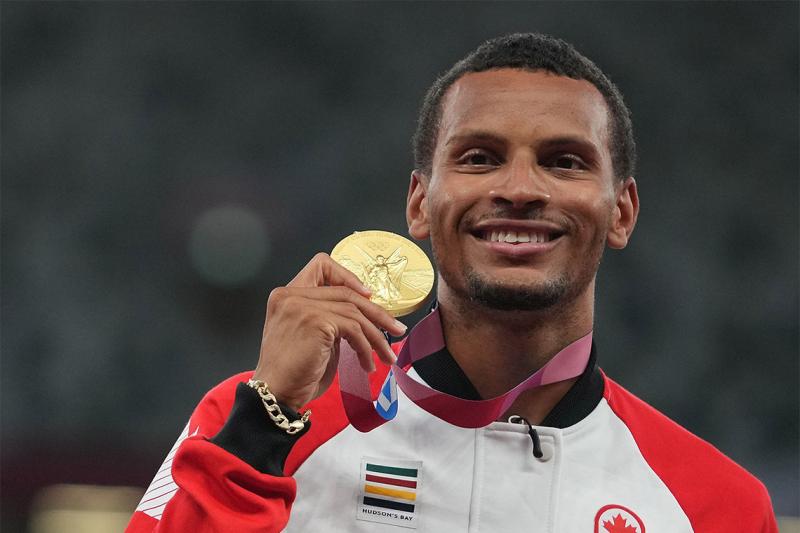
[(305, 321)]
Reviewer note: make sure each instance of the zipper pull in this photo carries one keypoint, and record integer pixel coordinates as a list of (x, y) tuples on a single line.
[(537, 445)]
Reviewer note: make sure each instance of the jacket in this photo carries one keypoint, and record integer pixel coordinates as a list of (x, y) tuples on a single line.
[(609, 463)]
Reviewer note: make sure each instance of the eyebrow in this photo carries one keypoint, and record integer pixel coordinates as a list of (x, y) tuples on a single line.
[(569, 140), (476, 135)]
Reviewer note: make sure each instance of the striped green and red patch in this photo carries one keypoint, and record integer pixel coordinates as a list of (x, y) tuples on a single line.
[(390, 487), (389, 491)]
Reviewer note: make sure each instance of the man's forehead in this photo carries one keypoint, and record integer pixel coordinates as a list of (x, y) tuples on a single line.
[(535, 100)]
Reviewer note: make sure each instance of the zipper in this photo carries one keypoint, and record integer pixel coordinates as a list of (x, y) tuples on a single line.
[(537, 445)]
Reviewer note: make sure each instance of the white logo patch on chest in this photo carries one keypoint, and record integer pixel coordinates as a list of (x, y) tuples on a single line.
[(388, 492)]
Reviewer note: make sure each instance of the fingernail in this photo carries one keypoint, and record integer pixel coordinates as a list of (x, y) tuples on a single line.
[(365, 289), (400, 325)]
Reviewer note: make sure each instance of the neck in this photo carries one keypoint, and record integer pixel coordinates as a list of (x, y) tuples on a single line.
[(497, 350)]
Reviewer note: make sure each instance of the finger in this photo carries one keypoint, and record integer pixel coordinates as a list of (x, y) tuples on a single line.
[(331, 368), (323, 271), (351, 331), (372, 334), (372, 311)]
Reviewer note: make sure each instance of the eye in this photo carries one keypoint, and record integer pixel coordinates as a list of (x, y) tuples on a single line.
[(477, 158), (568, 162)]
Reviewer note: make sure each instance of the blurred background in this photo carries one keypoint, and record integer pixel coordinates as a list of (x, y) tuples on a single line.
[(164, 165)]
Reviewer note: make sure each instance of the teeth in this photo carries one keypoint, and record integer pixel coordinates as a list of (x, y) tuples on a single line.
[(516, 237)]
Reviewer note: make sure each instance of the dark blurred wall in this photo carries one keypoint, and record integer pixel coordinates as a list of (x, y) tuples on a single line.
[(165, 164)]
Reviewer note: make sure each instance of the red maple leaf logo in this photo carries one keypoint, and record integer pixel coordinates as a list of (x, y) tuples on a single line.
[(618, 525)]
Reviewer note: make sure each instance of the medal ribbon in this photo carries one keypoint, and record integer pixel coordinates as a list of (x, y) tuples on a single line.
[(425, 339)]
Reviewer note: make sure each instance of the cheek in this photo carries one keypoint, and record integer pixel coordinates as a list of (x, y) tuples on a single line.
[(593, 212), (453, 196), (442, 204)]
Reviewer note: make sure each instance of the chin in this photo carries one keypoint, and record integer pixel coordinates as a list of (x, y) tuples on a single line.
[(516, 295)]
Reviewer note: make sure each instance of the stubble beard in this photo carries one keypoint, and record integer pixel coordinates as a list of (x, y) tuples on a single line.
[(515, 297), (550, 295)]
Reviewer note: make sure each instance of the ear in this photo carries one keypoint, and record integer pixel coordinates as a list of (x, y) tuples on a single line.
[(625, 214), (417, 207)]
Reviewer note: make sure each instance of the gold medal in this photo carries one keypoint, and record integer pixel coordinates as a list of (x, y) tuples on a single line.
[(396, 270)]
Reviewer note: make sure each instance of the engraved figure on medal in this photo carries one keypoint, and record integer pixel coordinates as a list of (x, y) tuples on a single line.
[(382, 275), (385, 274)]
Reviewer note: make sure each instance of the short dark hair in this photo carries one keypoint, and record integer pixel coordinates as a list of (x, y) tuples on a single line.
[(532, 52)]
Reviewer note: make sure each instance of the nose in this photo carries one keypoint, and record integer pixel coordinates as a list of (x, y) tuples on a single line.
[(520, 183)]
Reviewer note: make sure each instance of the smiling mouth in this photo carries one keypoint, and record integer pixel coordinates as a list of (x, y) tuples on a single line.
[(517, 236)]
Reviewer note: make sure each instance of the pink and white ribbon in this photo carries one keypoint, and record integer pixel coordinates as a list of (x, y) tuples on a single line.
[(425, 339)]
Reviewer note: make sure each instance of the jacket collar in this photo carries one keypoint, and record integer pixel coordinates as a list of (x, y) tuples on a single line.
[(441, 372)]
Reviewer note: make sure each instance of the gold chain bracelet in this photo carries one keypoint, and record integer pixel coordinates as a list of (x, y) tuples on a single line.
[(274, 410)]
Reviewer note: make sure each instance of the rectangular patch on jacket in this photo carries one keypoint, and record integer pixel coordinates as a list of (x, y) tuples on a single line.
[(388, 492)]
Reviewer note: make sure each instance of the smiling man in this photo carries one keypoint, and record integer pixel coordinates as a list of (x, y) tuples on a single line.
[(519, 197), (524, 174)]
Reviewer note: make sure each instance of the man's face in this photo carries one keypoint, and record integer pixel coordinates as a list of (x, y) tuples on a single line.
[(521, 198)]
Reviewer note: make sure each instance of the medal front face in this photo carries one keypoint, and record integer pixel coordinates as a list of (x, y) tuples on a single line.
[(396, 270)]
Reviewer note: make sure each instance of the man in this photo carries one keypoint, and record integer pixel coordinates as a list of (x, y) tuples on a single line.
[(524, 164)]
